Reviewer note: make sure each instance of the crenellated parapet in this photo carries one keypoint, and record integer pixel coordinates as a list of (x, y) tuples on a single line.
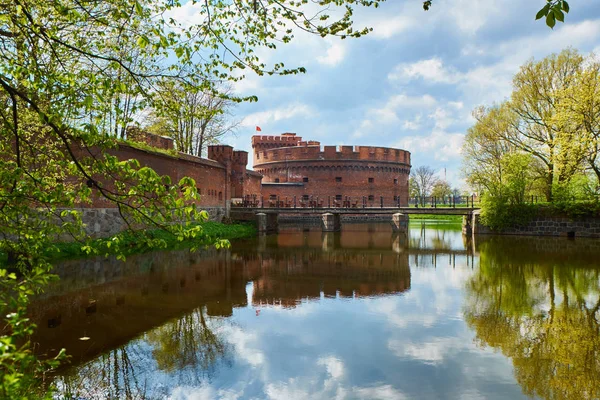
[(308, 152)]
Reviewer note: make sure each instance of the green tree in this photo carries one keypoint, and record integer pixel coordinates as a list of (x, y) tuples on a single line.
[(550, 116), (441, 189), (192, 117), (71, 76), (421, 182)]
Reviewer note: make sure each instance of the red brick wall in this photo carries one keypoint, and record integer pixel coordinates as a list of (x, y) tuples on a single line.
[(388, 168), (139, 135), (209, 175)]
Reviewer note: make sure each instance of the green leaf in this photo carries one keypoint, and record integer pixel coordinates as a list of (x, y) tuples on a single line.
[(138, 8), (565, 6), (543, 12), (143, 41), (558, 14), (550, 20)]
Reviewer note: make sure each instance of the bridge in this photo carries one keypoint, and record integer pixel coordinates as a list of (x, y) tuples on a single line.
[(267, 217), (357, 210)]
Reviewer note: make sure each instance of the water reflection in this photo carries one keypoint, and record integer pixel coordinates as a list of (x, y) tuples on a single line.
[(538, 302), (361, 314)]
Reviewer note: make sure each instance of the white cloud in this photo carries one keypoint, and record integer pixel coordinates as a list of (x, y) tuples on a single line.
[(440, 145), (335, 54), (431, 70), (429, 352), (388, 113), (414, 124), (382, 392), (385, 28), (334, 366), (277, 114)]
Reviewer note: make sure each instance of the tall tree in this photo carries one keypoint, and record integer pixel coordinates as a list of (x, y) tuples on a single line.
[(194, 118), (551, 116), (422, 180)]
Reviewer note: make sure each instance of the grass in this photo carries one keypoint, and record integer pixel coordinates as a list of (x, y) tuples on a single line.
[(449, 218), (130, 243)]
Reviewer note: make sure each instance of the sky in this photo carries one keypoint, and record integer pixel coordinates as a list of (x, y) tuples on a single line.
[(413, 82)]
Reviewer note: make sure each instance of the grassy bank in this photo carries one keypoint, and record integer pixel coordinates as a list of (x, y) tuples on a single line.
[(449, 218), (130, 243)]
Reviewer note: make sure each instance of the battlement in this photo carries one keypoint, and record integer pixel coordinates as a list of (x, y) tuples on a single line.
[(307, 151), (220, 152), (240, 157), (286, 139)]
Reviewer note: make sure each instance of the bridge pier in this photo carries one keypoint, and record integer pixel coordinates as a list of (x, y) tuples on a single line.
[(467, 224), (399, 242), (330, 241), (331, 222), (400, 222), (267, 222)]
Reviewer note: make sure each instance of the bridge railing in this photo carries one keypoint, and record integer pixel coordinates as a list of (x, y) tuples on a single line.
[(350, 202)]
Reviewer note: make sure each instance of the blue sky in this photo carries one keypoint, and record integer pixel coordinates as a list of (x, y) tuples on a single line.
[(413, 82)]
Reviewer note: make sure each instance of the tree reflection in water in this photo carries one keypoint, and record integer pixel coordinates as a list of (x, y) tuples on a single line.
[(187, 343), (189, 349), (541, 309)]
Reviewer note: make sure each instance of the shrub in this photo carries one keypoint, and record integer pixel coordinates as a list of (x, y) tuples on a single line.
[(497, 213)]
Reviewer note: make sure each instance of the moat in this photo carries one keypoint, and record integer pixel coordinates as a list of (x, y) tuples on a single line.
[(360, 314)]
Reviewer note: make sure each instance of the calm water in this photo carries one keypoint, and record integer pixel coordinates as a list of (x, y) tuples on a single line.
[(363, 314)]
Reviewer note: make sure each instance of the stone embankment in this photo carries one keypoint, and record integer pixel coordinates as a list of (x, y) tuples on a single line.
[(544, 226)]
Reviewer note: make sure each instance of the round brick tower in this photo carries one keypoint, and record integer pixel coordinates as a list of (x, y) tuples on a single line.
[(292, 167)]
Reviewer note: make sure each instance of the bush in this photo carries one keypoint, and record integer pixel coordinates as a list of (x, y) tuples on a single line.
[(497, 213)]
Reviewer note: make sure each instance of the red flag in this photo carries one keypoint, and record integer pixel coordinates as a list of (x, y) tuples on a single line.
[(258, 129)]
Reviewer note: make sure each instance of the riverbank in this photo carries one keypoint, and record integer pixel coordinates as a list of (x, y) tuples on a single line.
[(136, 243), (449, 218)]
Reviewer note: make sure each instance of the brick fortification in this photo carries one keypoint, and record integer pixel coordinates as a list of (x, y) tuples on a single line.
[(293, 167), (219, 179)]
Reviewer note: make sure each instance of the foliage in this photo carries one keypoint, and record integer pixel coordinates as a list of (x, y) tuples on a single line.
[(553, 117), (72, 75), (421, 182), (135, 242), (498, 213), (553, 11), (441, 189), (193, 117), (541, 310)]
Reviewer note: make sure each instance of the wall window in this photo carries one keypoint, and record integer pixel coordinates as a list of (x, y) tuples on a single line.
[(305, 197), (371, 197), (338, 178), (220, 195), (395, 181), (276, 180), (371, 180), (273, 197), (305, 179), (395, 198), (338, 197)]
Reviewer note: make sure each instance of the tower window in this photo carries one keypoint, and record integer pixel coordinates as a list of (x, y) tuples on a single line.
[(371, 180), (305, 179), (395, 181), (338, 178)]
